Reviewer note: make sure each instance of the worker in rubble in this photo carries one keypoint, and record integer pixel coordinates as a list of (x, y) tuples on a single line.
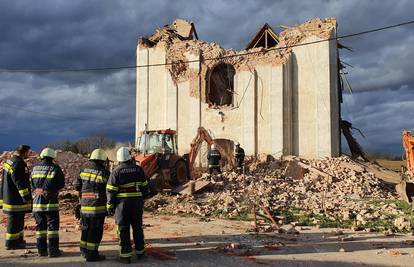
[(214, 158), (239, 157), (91, 187), (47, 180), (15, 196), (126, 189)]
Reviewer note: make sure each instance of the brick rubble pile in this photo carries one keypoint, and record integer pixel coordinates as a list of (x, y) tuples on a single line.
[(338, 188)]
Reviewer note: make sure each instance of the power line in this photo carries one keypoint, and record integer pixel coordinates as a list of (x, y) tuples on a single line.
[(207, 59)]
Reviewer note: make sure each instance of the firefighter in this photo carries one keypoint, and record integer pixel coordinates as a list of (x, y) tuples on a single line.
[(239, 157), (214, 158), (15, 196), (126, 189), (47, 179), (91, 186)]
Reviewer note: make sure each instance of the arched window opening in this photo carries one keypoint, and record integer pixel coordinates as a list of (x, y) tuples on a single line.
[(221, 85)]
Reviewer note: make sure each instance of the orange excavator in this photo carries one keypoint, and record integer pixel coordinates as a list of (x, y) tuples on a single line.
[(156, 153), (408, 144), (406, 188)]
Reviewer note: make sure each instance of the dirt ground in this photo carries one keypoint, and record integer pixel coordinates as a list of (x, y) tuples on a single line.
[(189, 241)]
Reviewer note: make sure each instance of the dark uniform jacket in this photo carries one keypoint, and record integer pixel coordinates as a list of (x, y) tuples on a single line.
[(47, 179), (91, 185), (239, 153), (127, 183), (214, 158), (15, 192)]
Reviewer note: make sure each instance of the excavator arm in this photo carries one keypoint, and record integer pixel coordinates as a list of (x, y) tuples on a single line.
[(202, 135), (408, 144)]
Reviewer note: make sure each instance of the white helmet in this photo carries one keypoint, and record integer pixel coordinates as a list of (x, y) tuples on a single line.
[(213, 146), (48, 152), (123, 154), (98, 154), (236, 143)]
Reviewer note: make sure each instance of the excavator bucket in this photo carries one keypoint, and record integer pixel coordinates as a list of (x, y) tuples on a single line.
[(406, 191)]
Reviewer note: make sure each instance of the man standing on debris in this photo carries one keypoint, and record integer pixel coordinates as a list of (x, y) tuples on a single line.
[(15, 196), (91, 186), (239, 157), (47, 179), (126, 189), (213, 158)]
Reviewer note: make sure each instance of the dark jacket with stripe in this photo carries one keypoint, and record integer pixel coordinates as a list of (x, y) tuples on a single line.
[(214, 158), (47, 179), (91, 185), (15, 186), (127, 183)]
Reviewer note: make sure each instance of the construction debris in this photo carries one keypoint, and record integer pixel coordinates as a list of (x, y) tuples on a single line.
[(335, 188)]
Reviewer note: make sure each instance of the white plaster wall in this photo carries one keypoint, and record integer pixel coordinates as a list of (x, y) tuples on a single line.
[(312, 113), (274, 106)]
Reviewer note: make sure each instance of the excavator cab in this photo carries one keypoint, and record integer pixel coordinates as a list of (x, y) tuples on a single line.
[(163, 142), (157, 155)]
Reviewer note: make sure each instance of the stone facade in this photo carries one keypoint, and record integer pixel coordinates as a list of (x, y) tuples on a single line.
[(282, 101)]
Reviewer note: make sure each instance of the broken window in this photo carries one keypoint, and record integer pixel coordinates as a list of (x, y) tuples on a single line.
[(221, 85)]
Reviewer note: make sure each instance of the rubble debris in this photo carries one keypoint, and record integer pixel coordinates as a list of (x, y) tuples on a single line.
[(332, 188), (185, 189), (394, 252), (237, 249), (274, 246)]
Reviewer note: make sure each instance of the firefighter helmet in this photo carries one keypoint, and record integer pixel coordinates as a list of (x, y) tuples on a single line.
[(48, 152), (98, 154), (123, 154)]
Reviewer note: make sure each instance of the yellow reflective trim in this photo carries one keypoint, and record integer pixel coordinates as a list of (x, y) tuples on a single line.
[(111, 187), (44, 232), (132, 194), (23, 192), (93, 208), (14, 235), (133, 184), (54, 232), (125, 255), (109, 206), (8, 167), (92, 244), (1, 201), (43, 176), (91, 175), (8, 206), (45, 205)]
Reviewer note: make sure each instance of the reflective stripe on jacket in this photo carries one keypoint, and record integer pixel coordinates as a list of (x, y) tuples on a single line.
[(15, 195), (47, 179), (214, 158), (91, 185), (127, 182)]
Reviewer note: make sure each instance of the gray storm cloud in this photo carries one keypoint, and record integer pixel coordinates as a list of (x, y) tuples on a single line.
[(40, 108)]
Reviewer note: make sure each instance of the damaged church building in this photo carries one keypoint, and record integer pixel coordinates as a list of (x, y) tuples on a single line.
[(276, 96)]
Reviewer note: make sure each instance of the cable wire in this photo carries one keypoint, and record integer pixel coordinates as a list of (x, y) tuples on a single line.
[(207, 59)]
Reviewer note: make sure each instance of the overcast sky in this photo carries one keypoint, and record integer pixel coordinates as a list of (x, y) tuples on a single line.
[(41, 108)]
